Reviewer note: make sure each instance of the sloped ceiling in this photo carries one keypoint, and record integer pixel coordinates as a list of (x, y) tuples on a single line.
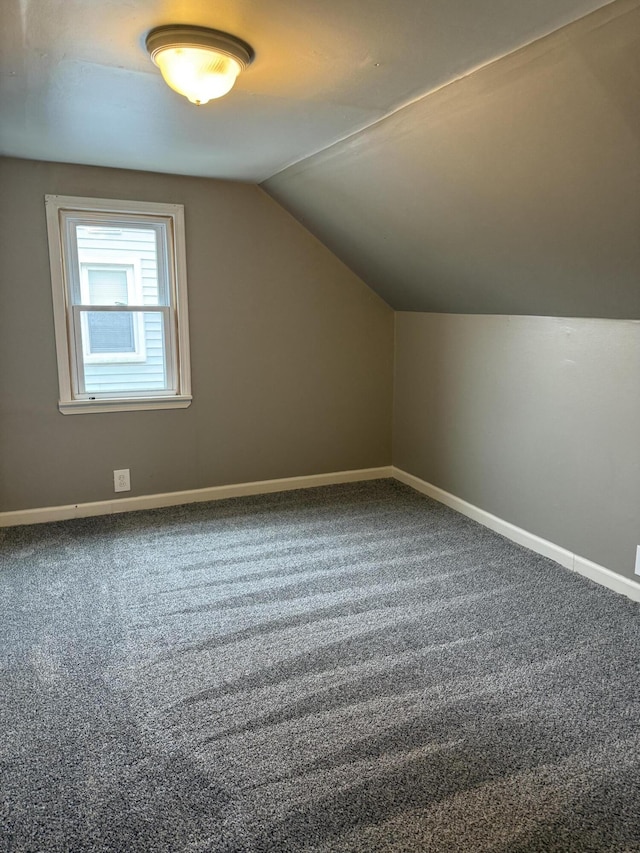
[(515, 190), (76, 84)]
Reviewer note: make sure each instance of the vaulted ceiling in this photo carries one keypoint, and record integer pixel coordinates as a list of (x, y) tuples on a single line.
[(515, 190), (460, 156)]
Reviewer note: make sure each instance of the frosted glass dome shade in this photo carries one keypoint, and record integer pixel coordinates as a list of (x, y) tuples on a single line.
[(197, 73), (197, 62)]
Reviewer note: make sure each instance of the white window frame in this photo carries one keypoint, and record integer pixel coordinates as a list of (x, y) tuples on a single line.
[(65, 275), (131, 267)]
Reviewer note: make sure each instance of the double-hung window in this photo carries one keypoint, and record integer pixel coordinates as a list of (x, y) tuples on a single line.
[(118, 275)]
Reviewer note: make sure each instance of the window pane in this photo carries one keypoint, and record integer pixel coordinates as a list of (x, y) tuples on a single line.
[(135, 247), (124, 371), (110, 331)]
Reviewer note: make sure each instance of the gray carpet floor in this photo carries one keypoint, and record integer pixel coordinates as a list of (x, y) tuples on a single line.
[(349, 668)]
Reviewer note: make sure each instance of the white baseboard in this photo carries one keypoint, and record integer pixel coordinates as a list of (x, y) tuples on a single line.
[(593, 571), (213, 493), (572, 561)]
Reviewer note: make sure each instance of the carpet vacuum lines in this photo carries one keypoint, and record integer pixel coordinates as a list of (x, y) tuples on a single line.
[(341, 669)]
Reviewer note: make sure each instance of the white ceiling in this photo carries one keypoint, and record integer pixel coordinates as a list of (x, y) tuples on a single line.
[(76, 84)]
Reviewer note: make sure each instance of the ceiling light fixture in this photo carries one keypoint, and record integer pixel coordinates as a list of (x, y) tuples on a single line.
[(197, 62)]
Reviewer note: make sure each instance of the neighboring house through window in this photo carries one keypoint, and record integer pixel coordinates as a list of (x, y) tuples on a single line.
[(111, 336), (118, 275)]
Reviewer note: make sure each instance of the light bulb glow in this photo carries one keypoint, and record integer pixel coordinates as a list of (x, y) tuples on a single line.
[(198, 73), (198, 62)]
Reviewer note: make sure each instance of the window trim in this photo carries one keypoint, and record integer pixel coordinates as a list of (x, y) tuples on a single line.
[(55, 206)]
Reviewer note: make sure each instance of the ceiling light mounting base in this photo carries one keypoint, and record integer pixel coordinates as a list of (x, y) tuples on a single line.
[(183, 35)]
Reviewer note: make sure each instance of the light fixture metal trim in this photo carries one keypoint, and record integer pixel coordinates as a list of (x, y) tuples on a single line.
[(182, 35)]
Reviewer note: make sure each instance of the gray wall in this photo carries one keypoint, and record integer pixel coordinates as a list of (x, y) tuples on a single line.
[(291, 353), (534, 419)]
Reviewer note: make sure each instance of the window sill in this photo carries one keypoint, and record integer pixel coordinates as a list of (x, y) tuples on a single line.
[(122, 404)]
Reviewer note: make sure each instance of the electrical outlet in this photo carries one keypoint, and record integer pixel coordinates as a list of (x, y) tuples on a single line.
[(121, 480), (638, 560)]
